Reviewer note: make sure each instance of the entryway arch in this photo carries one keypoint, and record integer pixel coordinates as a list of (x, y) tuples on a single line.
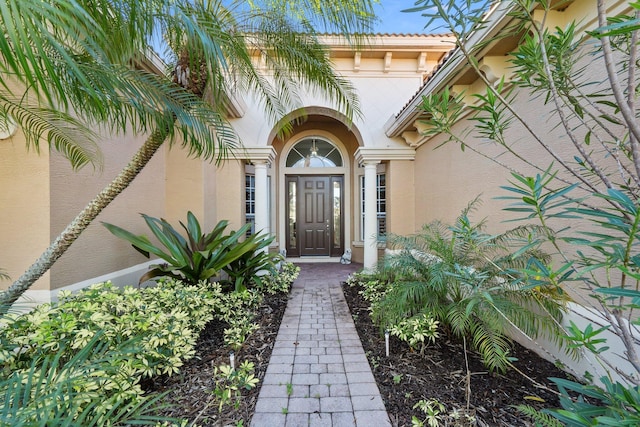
[(315, 193)]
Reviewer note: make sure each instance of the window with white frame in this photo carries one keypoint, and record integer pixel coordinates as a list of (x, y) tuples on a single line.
[(250, 200), (381, 204)]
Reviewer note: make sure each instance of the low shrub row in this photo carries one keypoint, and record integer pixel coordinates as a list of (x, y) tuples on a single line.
[(80, 361)]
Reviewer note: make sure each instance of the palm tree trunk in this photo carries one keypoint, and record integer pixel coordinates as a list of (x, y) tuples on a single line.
[(82, 221)]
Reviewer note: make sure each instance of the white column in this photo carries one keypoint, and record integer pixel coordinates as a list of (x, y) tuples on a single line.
[(262, 194), (370, 217)]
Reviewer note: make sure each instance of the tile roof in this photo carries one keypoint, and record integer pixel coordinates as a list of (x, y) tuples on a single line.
[(427, 79)]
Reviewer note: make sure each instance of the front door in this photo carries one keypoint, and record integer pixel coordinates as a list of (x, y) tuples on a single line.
[(314, 225)]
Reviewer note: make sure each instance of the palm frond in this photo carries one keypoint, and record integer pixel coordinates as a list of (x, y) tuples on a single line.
[(473, 282), (63, 131), (540, 419), (52, 391), (492, 345)]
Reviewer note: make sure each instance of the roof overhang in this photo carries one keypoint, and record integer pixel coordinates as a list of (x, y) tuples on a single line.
[(455, 65)]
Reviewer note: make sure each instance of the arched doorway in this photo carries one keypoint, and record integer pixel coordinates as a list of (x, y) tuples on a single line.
[(315, 188)]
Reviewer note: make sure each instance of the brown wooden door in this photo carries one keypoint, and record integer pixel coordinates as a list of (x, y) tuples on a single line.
[(314, 215), (314, 225)]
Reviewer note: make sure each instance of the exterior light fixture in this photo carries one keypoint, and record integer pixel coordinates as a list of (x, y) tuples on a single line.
[(8, 126)]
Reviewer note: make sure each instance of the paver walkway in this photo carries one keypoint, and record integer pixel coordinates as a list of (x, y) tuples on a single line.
[(318, 374)]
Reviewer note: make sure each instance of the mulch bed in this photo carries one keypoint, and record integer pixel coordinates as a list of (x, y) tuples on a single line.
[(405, 377), (190, 392)]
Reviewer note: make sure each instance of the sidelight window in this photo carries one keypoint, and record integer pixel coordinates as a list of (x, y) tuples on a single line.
[(381, 204)]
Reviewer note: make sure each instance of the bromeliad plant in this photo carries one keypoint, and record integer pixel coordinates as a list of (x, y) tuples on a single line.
[(199, 256), (250, 268), (473, 283)]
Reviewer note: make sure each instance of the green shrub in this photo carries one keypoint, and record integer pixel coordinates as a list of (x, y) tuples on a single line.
[(94, 347), (199, 257), (251, 267), (475, 284), (237, 309), (280, 281), (420, 329), (230, 382), (373, 289), (614, 404), (81, 359), (168, 318), (88, 389)]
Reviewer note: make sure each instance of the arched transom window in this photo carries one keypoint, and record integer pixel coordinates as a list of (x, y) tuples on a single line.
[(314, 153)]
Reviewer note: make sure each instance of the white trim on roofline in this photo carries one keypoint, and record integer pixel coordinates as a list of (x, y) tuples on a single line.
[(495, 20)]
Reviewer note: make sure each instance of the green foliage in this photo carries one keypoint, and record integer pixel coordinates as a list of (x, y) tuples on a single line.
[(230, 382), (251, 266), (88, 389), (199, 256), (432, 410), (280, 282), (372, 288), (420, 329), (80, 361), (614, 404), (540, 419), (434, 414), (94, 348), (167, 318), (585, 188), (473, 283), (238, 309)]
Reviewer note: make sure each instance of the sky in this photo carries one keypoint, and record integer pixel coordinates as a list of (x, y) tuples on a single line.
[(395, 21)]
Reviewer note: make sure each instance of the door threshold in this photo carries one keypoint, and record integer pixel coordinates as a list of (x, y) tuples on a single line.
[(314, 259)]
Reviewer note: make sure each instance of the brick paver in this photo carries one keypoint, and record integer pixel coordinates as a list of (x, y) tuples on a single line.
[(318, 374)]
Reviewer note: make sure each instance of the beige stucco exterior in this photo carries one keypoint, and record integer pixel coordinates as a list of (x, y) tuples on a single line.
[(426, 178), (423, 183), (96, 252), (24, 206)]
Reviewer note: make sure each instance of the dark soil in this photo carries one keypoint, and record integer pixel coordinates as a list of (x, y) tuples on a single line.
[(403, 378), (190, 393)]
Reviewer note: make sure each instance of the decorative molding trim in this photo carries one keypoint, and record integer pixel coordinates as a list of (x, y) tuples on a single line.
[(366, 155), (412, 138), (235, 106), (387, 61), (422, 63), (496, 68), (266, 154)]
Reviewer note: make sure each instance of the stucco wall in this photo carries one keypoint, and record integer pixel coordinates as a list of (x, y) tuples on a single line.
[(447, 178), (184, 185), (401, 197), (24, 207), (97, 251), (229, 196)]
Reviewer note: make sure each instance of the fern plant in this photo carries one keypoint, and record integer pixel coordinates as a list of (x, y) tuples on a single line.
[(474, 283)]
